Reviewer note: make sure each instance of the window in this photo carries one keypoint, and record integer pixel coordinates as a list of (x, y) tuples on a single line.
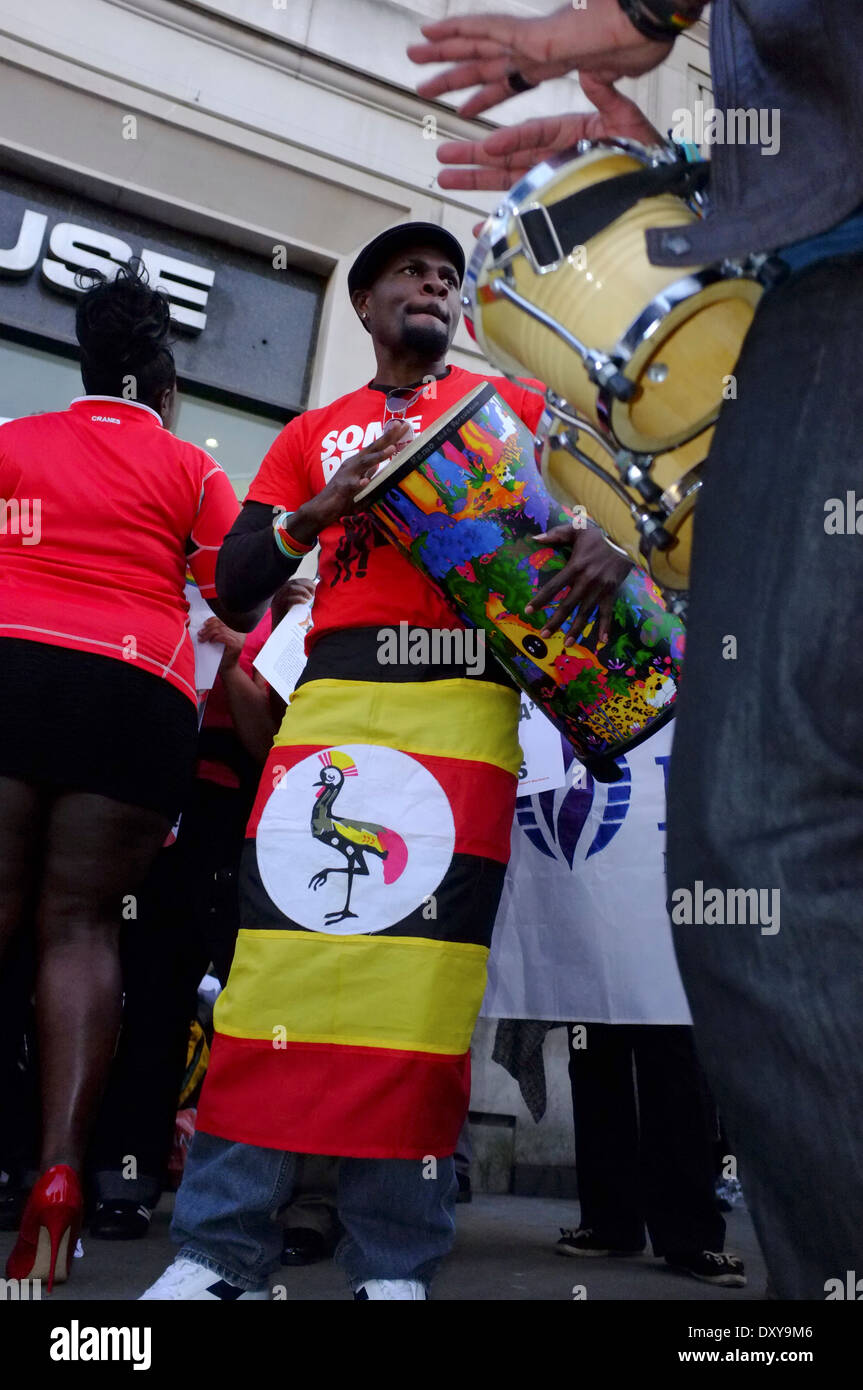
[(34, 381)]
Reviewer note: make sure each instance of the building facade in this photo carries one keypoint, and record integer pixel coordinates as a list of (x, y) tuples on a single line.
[(245, 149)]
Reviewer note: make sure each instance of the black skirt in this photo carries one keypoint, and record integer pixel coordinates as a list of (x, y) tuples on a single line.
[(75, 721)]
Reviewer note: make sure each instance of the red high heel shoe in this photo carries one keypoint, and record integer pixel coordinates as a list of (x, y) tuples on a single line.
[(49, 1228)]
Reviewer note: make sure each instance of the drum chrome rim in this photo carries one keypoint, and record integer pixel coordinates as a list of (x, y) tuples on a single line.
[(680, 497), (643, 328), (538, 176), (664, 304), (471, 279), (496, 223)]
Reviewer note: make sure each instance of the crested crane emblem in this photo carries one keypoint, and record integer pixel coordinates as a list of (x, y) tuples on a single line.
[(354, 840)]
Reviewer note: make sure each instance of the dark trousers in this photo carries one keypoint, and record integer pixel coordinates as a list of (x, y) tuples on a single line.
[(187, 918), (766, 785), (644, 1134)]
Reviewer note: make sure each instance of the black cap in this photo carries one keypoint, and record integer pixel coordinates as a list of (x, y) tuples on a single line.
[(372, 259)]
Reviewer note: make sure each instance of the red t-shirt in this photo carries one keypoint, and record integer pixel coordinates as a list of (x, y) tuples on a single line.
[(364, 581), (107, 508)]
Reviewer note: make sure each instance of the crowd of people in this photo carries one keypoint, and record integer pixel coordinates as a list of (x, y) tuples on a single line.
[(344, 1021)]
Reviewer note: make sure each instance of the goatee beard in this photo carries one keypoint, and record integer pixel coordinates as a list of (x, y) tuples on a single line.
[(425, 339)]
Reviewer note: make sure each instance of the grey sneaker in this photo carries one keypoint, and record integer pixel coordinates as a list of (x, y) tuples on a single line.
[(585, 1241), (711, 1267)]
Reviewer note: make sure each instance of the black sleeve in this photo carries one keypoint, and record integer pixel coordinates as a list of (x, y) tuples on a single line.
[(250, 567)]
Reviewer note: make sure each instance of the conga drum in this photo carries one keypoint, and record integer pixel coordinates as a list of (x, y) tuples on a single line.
[(464, 502), (560, 288)]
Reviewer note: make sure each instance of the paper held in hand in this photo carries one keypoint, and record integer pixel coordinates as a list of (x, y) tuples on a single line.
[(208, 655), (283, 655)]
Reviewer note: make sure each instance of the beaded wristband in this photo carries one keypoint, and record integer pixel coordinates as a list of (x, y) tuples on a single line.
[(291, 549), (657, 19)]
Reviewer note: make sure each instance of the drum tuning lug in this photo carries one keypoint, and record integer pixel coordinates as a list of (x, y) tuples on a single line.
[(560, 407), (647, 488), (630, 467), (604, 371), (636, 475), (654, 533), (677, 602), (625, 461)]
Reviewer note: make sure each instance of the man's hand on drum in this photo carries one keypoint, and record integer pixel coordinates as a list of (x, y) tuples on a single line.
[(502, 56), (505, 156), (591, 576)]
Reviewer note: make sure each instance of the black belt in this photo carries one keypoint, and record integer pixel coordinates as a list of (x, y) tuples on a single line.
[(352, 654)]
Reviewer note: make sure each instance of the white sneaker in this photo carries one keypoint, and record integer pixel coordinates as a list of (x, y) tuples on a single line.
[(390, 1288), (191, 1282)]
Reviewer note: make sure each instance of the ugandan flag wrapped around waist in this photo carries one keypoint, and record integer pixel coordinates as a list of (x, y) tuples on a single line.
[(370, 882)]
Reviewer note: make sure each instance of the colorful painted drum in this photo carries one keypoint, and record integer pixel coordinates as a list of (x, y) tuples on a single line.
[(560, 288), (464, 502)]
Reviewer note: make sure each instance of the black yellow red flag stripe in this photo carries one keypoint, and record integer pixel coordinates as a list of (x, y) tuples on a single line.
[(370, 883)]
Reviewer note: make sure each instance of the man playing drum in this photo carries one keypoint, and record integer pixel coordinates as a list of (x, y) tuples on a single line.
[(377, 845)]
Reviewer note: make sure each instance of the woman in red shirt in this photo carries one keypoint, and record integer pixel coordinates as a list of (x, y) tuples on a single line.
[(101, 511)]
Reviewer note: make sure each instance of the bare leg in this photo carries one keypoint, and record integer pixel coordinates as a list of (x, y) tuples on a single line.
[(97, 852)]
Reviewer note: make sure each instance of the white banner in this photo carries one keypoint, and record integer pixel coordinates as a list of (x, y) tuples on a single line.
[(582, 934)]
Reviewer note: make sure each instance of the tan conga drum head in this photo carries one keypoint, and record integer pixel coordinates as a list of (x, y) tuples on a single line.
[(669, 342)]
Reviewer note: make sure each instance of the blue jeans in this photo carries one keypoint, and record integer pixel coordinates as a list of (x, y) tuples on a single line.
[(399, 1223), (845, 239)]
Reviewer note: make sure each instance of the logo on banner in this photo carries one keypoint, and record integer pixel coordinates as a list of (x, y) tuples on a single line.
[(555, 821)]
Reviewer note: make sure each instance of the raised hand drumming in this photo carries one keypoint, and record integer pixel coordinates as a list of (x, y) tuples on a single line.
[(502, 56), (338, 498), (504, 156)]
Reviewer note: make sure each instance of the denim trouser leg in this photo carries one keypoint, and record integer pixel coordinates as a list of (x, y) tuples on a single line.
[(766, 787), (223, 1216), (399, 1224)]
